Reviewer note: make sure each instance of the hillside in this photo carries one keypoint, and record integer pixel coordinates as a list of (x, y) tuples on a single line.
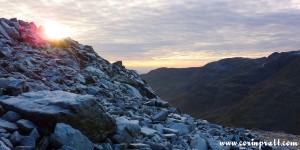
[(60, 94), (258, 93)]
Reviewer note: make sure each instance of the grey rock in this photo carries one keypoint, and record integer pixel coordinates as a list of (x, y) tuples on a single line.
[(127, 129), (13, 86), (229, 137), (11, 116), (98, 147), (94, 90), (118, 63), (170, 131), (66, 135), (168, 145), (43, 144), (106, 146), (199, 144), (190, 121), (2, 130), (3, 146), (156, 146), (169, 136), (148, 132), (2, 111), (8, 126), (132, 91), (16, 25), (11, 31), (25, 126), (180, 127), (184, 144), (80, 78), (48, 107), (3, 32), (122, 146), (236, 138), (94, 71), (5, 135), (241, 131), (161, 116), (213, 144), (7, 142), (15, 138), (34, 133), (138, 146), (159, 128), (214, 132), (5, 52), (28, 62), (24, 148), (65, 147), (90, 79), (160, 103), (27, 141), (81, 87), (118, 138)]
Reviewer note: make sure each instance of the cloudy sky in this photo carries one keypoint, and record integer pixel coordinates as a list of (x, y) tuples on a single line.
[(148, 34)]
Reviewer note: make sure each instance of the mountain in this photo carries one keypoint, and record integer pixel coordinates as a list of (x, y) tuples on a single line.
[(60, 94), (260, 93)]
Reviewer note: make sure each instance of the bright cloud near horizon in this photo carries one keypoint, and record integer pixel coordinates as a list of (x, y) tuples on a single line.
[(147, 34)]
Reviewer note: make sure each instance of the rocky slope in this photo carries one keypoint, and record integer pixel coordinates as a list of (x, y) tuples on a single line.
[(262, 93), (62, 95)]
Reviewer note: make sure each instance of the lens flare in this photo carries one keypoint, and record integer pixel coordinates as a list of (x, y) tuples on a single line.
[(55, 30)]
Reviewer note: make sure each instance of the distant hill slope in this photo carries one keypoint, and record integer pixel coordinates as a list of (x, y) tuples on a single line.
[(261, 93)]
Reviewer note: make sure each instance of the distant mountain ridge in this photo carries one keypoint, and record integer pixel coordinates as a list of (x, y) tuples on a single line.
[(260, 93)]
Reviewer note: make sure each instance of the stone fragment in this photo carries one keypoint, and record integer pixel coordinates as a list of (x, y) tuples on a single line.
[(3, 146), (13, 86), (148, 132), (7, 142), (180, 127), (161, 116), (8, 126), (11, 116), (25, 126), (27, 141), (66, 135), (199, 144)]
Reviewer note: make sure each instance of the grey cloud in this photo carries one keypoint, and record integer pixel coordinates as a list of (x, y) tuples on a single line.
[(141, 30)]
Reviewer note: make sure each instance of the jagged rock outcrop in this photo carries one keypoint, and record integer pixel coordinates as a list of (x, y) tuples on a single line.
[(59, 93)]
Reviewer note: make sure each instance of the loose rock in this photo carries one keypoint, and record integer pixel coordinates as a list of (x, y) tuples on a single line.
[(66, 135)]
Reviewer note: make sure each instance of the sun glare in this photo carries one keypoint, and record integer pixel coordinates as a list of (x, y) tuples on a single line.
[(55, 30)]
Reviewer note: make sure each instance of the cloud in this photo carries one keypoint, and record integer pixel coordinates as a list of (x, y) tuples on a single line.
[(168, 31)]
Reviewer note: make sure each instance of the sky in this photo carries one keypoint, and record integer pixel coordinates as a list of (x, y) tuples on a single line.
[(148, 34)]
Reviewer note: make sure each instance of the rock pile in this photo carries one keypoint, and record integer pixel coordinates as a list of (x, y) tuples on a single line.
[(62, 95)]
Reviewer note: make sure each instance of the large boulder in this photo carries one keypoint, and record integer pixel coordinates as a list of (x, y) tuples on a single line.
[(46, 108)]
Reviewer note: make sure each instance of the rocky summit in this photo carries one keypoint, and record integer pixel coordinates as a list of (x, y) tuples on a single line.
[(59, 94)]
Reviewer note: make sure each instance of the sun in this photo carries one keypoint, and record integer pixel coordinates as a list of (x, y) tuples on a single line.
[(55, 30)]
